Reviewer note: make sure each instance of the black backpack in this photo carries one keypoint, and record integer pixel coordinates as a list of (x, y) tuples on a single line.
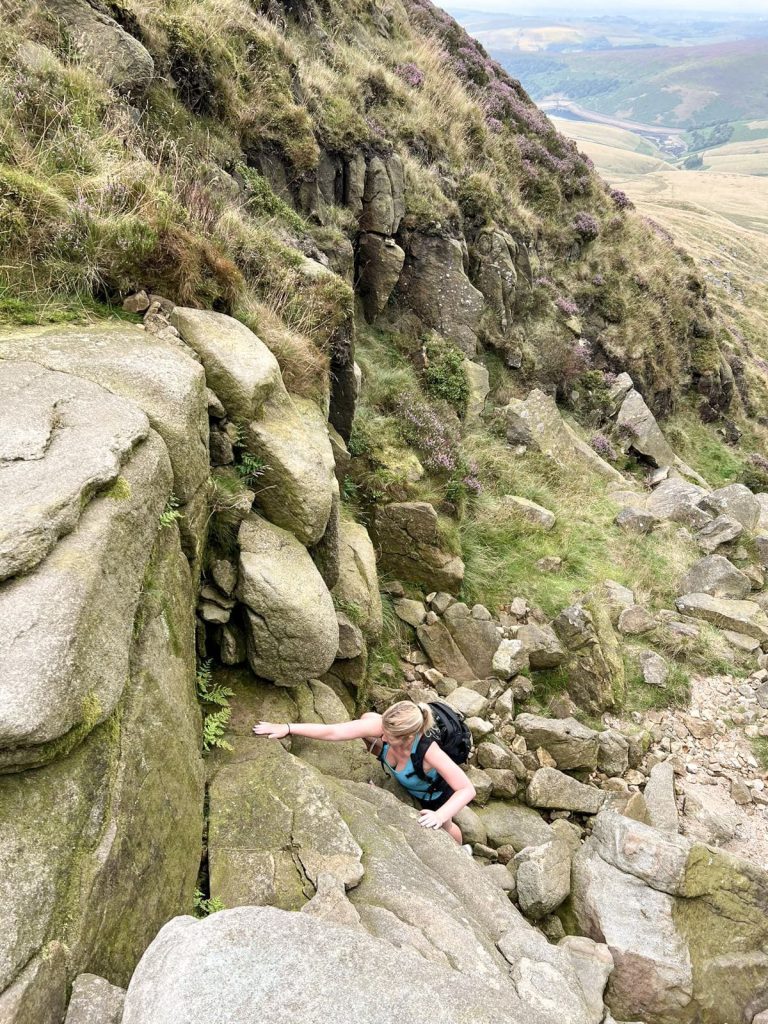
[(450, 732)]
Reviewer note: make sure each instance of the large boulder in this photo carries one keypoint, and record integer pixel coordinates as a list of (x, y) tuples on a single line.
[(68, 623), (571, 744), (104, 46), (509, 824), (541, 645), (443, 652), (543, 877), (434, 286), (745, 617), (100, 847), (297, 482), (716, 576), (411, 548), (358, 584), (719, 531), (476, 637), (62, 439), (239, 367), (735, 501), (660, 800), (165, 382), (319, 969), (554, 789), (493, 271), (293, 633), (677, 499), (593, 659), (382, 198), (273, 829), (642, 432), (517, 508), (537, 423)]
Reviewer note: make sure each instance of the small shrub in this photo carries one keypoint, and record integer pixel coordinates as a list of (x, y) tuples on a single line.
[(411, 74), (434, 431), (755, 472), (214, 722), (586, 226), (566, 306), (446, 378), (604, 448), (621, 200), (249, 468), (261, 200)]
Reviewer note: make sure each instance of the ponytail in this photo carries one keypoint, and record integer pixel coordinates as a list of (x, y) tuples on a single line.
[(408, 719)]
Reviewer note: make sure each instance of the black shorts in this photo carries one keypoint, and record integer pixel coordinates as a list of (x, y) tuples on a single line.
[(436, 801)]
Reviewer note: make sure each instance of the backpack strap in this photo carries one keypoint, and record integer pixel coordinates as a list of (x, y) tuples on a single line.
[(417, 762)]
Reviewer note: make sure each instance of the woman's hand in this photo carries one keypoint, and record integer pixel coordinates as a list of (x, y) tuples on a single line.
[(271, 730), (430, 819)]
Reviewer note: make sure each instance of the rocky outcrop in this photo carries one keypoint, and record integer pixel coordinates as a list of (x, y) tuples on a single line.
[(493, 272), (358, 584), (745, 617), (296, 482), (159, 378), (638, 425), (433, 285), (593, 656), (95, 1001), (103, 46), (379, 262), (537, 423), (716, 576), (411, 549), (293, 634)]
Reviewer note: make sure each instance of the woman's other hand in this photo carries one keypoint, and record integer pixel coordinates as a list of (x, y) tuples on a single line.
[(430, 819), (271, 730)]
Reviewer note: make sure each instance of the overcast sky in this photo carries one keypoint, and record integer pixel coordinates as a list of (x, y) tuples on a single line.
[(588, 7)]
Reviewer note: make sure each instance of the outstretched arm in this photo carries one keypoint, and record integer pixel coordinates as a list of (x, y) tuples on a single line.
[(457, 779), (369, 726)]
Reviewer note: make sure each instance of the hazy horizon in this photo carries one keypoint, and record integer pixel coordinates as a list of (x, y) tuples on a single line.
[(657, 8)]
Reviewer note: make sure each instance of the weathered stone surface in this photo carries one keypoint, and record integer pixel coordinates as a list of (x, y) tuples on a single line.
[(121, 815), (503, 783), (434, 286), (477, 638), (104, 46), (358, 583), (543, 876), (62, 440), (412, 612), (595, 665), (552, 788), (95, 1001), (508, 824), (716, 576), (654, 669), (642, 430), (471, 825), (492, 269), (720, 531), (38, 994), (616, 597), (315, 966), (636, 520), (635, 621), (658, 858), (238, 365), (570, 743), (677, 499), (537, 422), (443, 652), (163, 381), (541, 645), (382, 196), (468, 702), (379, 262), (293, 634), (411, 549), (659, 796), (509, 659), (271, 822), (351, 643), (613, 752), (479, 386), (68, 623), (653, 975), (297, 487), (529, 511), (741, 616), (735, 501)]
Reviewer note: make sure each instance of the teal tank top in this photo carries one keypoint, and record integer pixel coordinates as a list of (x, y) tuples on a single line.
[(408, 778)]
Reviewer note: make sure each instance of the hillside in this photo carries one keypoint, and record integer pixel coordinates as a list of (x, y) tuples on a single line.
[(691, 87), (336, 379)]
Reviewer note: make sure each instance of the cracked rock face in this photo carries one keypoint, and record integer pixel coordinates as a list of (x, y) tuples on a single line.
[(62, 439), (293, 633), (407, 534)]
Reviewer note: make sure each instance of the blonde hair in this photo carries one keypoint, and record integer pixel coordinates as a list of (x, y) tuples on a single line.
[(407, 719)]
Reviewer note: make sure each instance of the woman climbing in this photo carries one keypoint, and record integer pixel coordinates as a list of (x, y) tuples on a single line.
[(399, 739)]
